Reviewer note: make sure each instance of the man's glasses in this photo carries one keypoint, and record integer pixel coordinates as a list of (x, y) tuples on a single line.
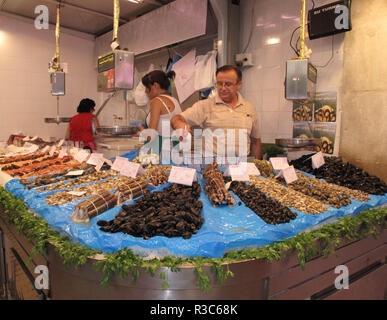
[(220, 84)]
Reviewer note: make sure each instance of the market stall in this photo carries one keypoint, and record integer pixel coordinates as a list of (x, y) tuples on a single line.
[(120, 222), (145, 218)]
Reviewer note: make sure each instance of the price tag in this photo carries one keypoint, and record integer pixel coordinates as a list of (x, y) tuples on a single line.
[(62, 153), (279, 163), (75, 173), (184, 176), (94, 157), (238, 172), (119, 163), (252, 169), (45, 149), (99, 163), (131, 170), (289, 174), (81, 155), (77, 193), (318, 160), (60, 143), (52, 150)]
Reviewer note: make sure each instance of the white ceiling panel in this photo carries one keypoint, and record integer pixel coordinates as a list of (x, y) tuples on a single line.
[(94, 17)]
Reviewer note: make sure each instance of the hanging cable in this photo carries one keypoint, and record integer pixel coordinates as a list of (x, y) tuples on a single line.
[(291, 41)]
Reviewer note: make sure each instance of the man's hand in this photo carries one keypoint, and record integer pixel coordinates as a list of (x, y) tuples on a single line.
[(178, 122), (255, 147)]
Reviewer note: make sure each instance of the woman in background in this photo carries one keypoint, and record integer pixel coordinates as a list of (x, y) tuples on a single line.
[(81, 126), (162, 105)]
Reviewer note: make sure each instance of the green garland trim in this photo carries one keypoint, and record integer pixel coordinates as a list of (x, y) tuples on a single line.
[(323, 241)]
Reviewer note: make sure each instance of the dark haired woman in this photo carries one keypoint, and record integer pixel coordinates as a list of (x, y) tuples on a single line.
[(162, 105), (81, 126)]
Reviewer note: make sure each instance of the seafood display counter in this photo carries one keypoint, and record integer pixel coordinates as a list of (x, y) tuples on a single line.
[(253, 278), (216, 239)]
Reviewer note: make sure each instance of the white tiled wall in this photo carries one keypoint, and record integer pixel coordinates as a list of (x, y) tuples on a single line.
[(25, 93), (263, 84)]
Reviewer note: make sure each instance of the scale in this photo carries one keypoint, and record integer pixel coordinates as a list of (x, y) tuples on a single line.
[(300, 86), (57, 77), (116, 74)]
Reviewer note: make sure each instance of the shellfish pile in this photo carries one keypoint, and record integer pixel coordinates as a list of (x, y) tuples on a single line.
[(336, 171), (269, 210), (289, 197), (173, 212), (63, 197), (215, 188)]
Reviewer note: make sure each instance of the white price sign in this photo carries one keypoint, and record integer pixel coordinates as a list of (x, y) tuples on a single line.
[(75, 173), (119, 163), (289, 174), (99, 164), (237, 172), (77, 193), (318, 160), (131, 170), (184, 176), (279, 163), (81, 155), (94, 157)]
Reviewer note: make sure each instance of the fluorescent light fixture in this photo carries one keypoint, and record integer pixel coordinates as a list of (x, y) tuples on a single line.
[(272, 41), (136, 1)]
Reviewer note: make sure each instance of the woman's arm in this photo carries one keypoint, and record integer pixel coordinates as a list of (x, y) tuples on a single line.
[(68, 133)]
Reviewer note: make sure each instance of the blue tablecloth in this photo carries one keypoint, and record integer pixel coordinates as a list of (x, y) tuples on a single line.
[(224, 229)]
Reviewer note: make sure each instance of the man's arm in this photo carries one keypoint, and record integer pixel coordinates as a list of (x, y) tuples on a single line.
[(255, 147)]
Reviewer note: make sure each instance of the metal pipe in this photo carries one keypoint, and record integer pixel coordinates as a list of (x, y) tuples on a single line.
[(104, 103), (302, 30), (116, 19), (57, 35)]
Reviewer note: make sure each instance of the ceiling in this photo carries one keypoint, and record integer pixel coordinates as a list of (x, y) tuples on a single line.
[(94, 17)]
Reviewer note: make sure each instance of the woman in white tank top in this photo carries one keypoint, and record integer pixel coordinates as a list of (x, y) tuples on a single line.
[(162, 106)]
